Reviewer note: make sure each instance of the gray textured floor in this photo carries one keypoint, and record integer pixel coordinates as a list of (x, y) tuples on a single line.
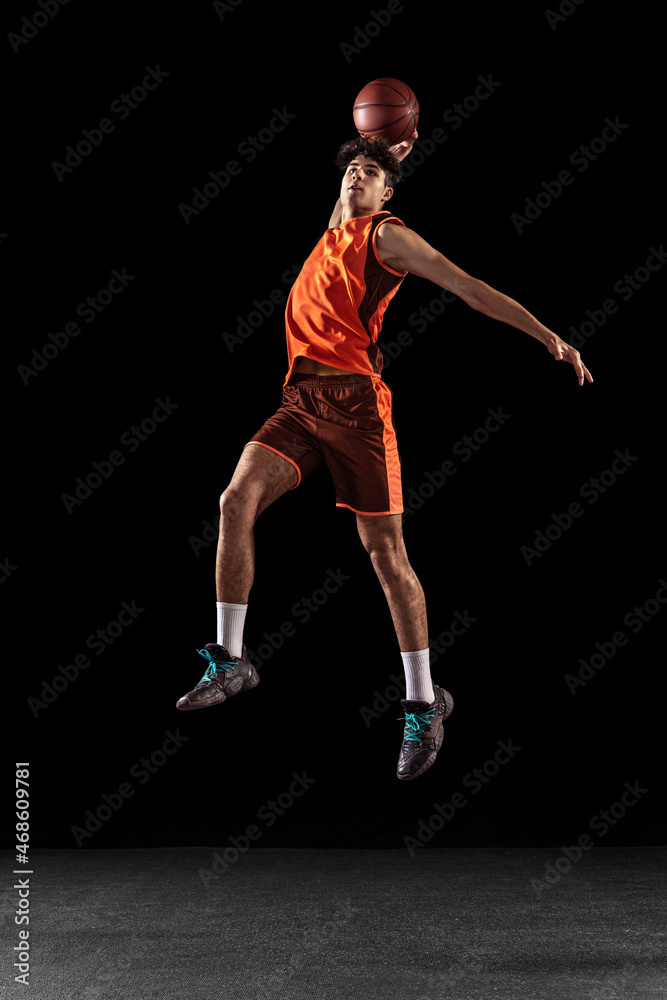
[(372, 925)]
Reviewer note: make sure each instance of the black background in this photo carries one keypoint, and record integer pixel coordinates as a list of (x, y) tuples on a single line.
[(162, 338)]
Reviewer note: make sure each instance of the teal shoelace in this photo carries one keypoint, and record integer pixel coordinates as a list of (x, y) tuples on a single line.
[(414, 723), (214, 665)]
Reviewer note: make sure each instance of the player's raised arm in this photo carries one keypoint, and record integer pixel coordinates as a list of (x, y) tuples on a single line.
[(336, 215), (404, 250)]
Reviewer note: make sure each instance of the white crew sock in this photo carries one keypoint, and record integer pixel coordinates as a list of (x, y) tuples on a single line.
[(418, 684), (231, 618)]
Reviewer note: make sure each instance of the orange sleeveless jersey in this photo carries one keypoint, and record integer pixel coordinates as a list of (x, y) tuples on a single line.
[(335, 308)]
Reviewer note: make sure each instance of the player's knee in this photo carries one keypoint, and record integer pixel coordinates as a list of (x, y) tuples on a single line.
[(236, 503), (387, 562)]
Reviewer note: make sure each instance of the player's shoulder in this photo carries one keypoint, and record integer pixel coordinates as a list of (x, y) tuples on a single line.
[(391, 242), (391, 231), (386, 216)]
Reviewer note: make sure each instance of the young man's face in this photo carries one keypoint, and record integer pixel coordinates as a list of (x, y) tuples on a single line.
[(364, 189)]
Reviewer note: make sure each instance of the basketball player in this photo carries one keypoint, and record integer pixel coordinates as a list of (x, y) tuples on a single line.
[(336, 409)]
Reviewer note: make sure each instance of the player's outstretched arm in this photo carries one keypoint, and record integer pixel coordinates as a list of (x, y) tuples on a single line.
[(404, 250)]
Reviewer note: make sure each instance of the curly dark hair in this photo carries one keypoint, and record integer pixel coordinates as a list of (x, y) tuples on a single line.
[(377, 148)]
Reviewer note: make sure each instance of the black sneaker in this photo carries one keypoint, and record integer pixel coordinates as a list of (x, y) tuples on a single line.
[(422, 737), (225, 676)]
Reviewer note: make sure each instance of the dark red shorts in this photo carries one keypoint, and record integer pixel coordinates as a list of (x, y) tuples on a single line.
[(344, 421)]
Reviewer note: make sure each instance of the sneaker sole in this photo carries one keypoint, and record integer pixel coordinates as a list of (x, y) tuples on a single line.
[(234, 687), (449, 706)]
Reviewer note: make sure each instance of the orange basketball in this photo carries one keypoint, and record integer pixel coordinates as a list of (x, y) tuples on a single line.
[(388, 108)]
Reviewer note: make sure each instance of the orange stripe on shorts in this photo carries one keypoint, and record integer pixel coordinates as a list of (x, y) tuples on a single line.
[(392, 460)]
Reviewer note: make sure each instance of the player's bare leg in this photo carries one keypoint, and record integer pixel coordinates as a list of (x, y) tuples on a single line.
[(260, 477), (382, 537), (426, 705)]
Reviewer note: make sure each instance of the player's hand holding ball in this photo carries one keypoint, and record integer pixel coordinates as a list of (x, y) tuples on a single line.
[(401, 149)]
